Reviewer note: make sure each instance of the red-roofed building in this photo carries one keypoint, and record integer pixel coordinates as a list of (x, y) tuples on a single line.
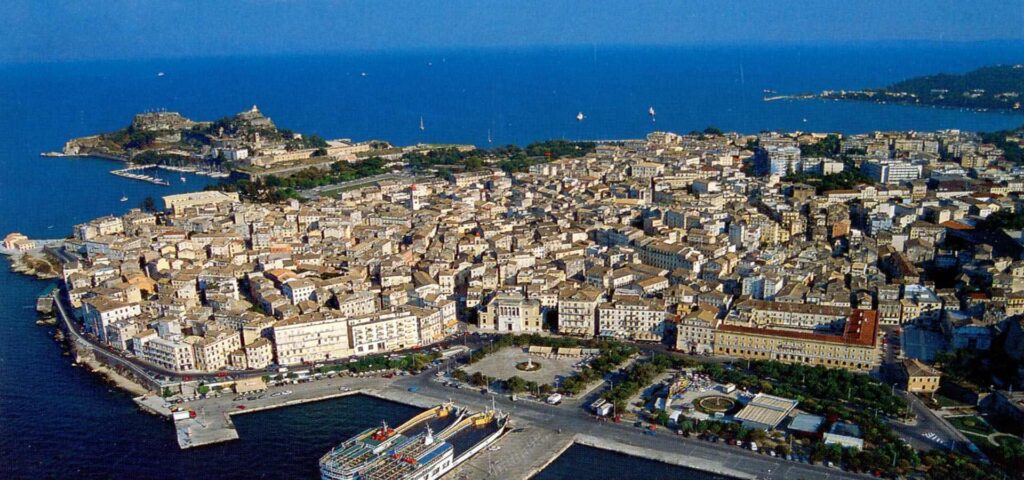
[(855, 348)]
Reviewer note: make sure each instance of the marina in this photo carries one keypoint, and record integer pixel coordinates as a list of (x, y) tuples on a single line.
[(129, 172)]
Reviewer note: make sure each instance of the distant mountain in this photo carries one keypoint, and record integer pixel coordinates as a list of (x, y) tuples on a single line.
[(999, 87)]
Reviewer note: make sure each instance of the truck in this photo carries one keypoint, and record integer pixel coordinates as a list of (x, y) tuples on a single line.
[(554, 399), (597, 404), (181, 415), (454, 351), (606, 409)]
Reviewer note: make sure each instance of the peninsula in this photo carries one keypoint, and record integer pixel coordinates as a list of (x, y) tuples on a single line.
[(998, 87)]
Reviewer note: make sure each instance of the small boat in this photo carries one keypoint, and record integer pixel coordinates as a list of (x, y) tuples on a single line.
[(363, 74), (422, 127), (652, 114), (489, 139), (124, 198), (580, 117), (182, 178), (160, 74)]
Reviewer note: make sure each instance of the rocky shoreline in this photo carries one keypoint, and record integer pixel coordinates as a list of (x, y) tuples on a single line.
[(39, 265)]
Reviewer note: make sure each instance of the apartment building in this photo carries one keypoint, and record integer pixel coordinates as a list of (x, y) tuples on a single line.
[(311, 337)]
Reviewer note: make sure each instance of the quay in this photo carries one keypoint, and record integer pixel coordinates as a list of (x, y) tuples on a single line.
[(539, 432)]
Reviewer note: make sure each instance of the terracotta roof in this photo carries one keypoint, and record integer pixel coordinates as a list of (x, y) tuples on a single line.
[(956, 225), (861, 329)]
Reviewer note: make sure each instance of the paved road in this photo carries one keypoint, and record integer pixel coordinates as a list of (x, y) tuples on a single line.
[(930, 431), (571, 416)]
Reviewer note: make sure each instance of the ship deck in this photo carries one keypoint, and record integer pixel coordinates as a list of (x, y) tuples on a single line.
[(469, 436)]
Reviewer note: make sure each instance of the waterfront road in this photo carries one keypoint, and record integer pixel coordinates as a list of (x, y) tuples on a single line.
[(571, 417)]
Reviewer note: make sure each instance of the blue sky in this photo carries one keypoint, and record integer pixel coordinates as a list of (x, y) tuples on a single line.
[(46, 30)]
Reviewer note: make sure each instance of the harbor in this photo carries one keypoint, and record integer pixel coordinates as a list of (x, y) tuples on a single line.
[(537, 434)]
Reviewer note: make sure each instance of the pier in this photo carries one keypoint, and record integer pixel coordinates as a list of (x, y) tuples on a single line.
[(129, 172)]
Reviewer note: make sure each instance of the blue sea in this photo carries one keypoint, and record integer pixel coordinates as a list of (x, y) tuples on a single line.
[(59, 421)]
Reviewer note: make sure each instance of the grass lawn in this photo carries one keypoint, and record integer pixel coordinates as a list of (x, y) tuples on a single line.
[(974, 425), (980, 440), (1005, 440)]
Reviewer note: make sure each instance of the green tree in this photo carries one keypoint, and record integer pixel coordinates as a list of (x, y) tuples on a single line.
[(479, 379), (516, 384)]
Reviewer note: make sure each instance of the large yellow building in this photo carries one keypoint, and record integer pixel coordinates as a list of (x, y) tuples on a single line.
[(920, 378), (856, 348)]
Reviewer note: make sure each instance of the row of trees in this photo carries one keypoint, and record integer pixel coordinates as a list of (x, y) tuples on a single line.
[(847, 179), (612, 355), (638, 376), (413, 362), (827, 147)]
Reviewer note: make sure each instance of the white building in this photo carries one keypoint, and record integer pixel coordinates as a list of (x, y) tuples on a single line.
[(511, 313), (311, 337), (169, 354), (891, 171), (632, 318), (98, 313), (383, 332)]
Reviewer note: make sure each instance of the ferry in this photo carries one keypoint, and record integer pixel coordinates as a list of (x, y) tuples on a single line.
[(414, 451)]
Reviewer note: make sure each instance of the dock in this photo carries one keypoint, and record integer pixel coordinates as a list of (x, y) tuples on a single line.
[(538, 433), (129, 172)]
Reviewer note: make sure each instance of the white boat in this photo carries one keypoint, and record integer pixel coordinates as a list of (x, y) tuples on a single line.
[(580, 117), (160, 74), (124, 198), (182, 178), (422, 127), (650, 111), (489, 140)]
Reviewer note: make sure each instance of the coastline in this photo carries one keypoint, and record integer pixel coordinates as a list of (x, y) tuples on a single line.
[(819, 97), (112, 377)]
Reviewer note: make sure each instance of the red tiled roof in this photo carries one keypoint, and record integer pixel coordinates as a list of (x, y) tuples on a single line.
[(956, 225), (861, 329)]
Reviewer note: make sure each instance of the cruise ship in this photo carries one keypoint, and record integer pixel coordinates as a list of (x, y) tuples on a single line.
[(423, 448)]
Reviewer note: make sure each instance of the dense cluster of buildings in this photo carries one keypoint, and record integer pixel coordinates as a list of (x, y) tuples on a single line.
[(667, 238)]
